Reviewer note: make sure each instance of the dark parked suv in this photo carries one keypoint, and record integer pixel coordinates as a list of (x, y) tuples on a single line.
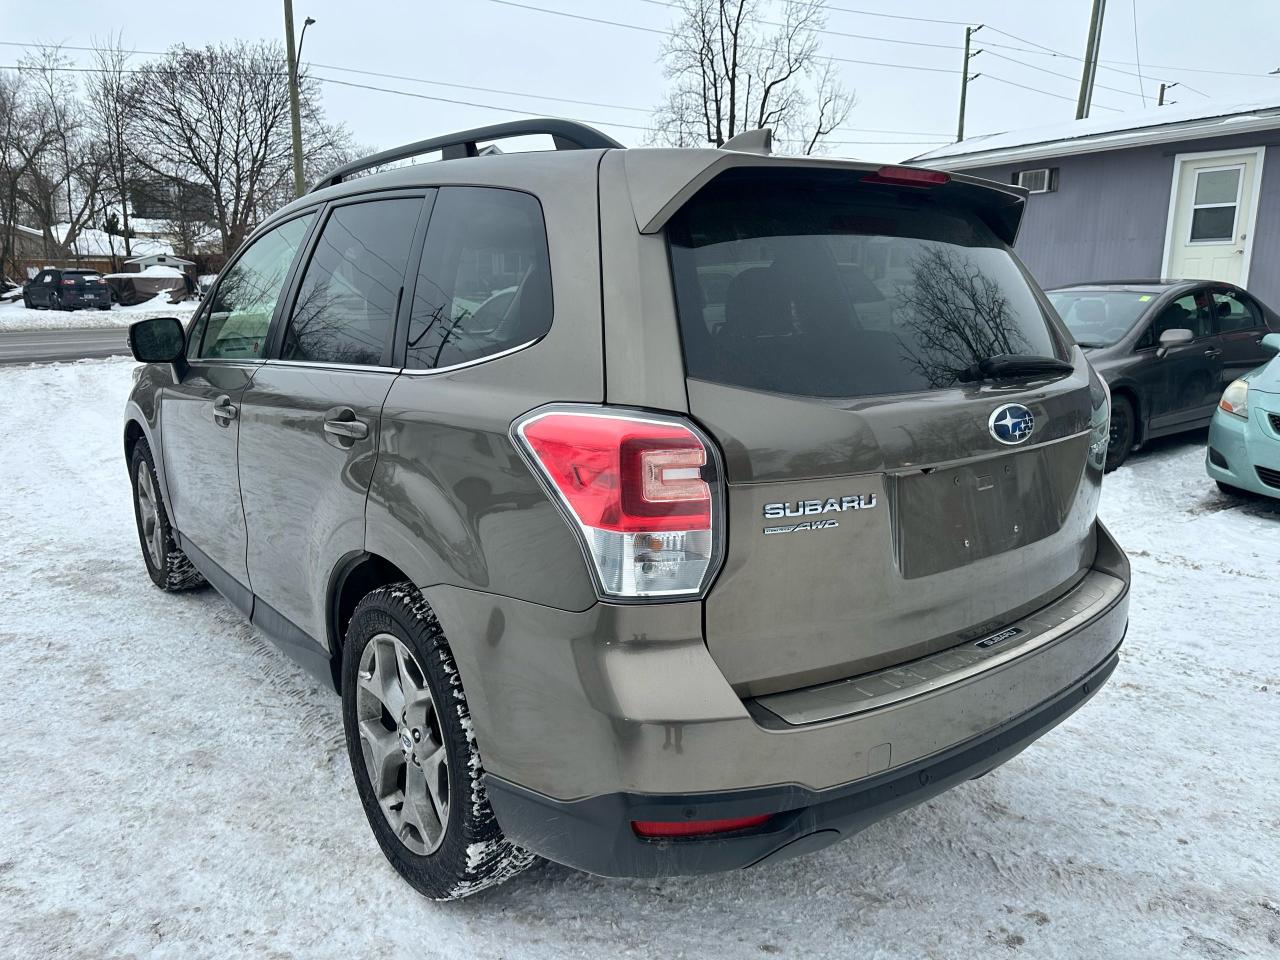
[(70, 289), (626, 538)]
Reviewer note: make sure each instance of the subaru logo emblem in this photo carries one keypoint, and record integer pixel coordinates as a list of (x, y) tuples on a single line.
[(1011, 423)]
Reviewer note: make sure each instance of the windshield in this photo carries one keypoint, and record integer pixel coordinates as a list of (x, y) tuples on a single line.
[(1099, 318), (831, 289)]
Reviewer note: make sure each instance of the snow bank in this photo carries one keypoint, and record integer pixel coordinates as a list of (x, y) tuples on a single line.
[(171, 785), (14, 316)]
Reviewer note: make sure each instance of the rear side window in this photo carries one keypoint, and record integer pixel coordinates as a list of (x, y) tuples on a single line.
[(236, 324), (1235, 312), (346, 306), (822, 288), (485, 281)]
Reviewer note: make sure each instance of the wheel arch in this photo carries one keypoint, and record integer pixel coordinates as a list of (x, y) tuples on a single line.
[(353, 578), (1131, 393)]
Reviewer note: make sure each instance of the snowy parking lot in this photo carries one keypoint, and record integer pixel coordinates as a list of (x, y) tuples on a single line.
[(14, 316), (172, 786)]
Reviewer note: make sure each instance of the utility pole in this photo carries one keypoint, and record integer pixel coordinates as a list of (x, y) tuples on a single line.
[(1091, 59), (965, 78), (295, 115), (1163, 88)]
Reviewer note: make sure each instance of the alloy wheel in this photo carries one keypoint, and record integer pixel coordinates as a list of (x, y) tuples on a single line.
[(402, 743), (149, 516)]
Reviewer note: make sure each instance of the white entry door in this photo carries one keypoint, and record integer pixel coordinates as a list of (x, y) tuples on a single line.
[(1212, 208)]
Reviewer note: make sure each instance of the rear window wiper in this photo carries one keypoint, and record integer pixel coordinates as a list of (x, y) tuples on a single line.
[(1006, 366)]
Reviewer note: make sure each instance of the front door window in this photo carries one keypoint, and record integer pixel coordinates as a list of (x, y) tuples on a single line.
[(1215, 205)]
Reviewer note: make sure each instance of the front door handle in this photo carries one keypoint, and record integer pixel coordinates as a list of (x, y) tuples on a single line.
[(224, 409), (1213, 352), (342, 423)]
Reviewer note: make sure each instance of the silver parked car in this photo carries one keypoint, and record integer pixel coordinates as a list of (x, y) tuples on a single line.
[(626, 538)]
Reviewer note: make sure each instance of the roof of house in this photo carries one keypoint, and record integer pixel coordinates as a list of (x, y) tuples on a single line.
[(1112, 131), (92, 242), (168, 258)]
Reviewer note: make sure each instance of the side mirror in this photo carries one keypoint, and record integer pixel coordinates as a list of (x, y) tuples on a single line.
[(1173, 338), (158, 341), (1272, 342)]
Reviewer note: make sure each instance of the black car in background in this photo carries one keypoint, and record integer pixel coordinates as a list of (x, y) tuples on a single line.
[(69, 289), (1166, 348)]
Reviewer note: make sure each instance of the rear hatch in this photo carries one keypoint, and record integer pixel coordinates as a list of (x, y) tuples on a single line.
[(84, 286), (886, 498)]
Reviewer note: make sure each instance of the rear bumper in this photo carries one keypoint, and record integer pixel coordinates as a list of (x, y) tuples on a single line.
[(595, 834), (590, 720)]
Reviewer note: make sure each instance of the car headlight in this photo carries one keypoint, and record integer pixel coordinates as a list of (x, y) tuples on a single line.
[(1235, 399)]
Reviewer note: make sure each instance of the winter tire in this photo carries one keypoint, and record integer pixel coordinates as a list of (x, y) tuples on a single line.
[(167, 565), (413, 751), (1123, 430)]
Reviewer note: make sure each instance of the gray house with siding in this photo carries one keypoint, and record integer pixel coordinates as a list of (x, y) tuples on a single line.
[(1182, 191)]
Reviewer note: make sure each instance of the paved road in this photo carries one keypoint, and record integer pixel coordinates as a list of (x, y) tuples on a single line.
[(39, 346)]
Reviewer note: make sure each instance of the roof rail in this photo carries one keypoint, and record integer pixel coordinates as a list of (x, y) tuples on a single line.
[(567, 135)]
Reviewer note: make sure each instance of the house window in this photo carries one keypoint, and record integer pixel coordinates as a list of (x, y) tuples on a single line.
[(1217, 198), (1043, 180)]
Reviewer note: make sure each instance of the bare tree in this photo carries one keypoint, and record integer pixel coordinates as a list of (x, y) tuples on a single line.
[(219, 117), (61, 173), (732, 69), (110, 93)]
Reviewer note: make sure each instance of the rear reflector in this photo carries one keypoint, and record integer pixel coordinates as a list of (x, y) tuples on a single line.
[(641, 491), (908, 176), (694, 828)]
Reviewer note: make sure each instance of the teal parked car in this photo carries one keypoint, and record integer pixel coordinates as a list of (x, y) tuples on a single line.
[(1244, 437)]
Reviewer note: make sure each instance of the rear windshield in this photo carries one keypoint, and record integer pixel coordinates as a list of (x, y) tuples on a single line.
[(830, 289), (1099, 318)]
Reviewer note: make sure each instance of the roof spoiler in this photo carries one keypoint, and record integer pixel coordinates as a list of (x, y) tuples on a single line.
[(663, 181), (566, 134)]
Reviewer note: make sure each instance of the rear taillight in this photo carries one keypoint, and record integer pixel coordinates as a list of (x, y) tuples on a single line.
[(642, 490), (656, 829), (68, 283)]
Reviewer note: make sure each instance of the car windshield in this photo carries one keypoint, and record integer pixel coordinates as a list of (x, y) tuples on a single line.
[(832, 289), (1099, 318)]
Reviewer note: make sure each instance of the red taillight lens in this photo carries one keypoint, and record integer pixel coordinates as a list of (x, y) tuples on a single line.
[(68, 283), (694, 828), (908, 176), (637, 489)]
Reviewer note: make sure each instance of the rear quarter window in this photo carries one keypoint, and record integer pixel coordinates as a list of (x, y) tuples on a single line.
[(833, 289)]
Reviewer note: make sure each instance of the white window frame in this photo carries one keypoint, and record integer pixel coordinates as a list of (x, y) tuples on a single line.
[(1235, 220), (1048, 179)]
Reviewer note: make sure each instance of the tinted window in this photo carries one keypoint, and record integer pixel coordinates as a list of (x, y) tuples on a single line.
[(1100, 317), (346, 304), (485, 281), (1235, 312), (245, 298), (1192, 312), (816, 287)]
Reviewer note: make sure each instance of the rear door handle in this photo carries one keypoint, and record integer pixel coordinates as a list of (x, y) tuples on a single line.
[(224, 409), (1212, 352), (342, 423)]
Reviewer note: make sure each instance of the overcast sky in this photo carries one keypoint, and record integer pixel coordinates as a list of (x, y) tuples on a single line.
[(525, 56)]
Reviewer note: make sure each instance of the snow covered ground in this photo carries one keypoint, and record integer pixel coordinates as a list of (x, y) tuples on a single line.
[(172, 786), (14, 316)]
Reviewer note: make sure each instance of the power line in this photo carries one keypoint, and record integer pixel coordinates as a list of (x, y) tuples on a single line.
[(1054, 73), (411, 79), (1133, 6), (865, 13), (491, 106), (1047, 93), (1050, 52), (667, 33)]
